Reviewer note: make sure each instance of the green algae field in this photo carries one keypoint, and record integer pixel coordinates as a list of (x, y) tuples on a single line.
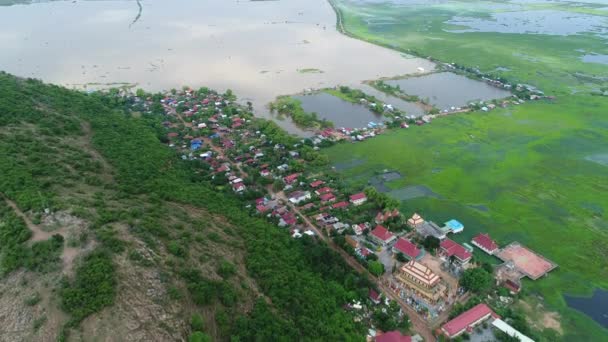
[(535, 173)]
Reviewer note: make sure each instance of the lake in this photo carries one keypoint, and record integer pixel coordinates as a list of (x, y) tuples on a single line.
[(446, 89), (340, 112), (595, 306), (259, 49)]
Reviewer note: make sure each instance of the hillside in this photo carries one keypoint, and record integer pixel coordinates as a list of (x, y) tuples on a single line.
[(105, 232)]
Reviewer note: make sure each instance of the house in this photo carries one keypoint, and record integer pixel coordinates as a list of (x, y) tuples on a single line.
[(323, 190), (358, 199), (415, 221), (407, 249), (374, 296), (466, 321), (364, 252), (485, 243), (238, 187), (454, 226), (340, 205), (265, 173), (386, 215), (421, 281), (359, 228), (316, 184), (381, 236), (291, 178), (299, 196), (449, 248), (326, 198), (288, 219), (393, 336)]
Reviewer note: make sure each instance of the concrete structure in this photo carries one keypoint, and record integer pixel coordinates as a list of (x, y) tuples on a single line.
[(509, 330), (422, 281), (525, 261), (467, 320), (429, 228)]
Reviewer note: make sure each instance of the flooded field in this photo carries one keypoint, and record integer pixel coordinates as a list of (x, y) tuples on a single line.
[(338, 111), (549, 22), (595, 306), (259, 49), (447, 89), (593, 58)]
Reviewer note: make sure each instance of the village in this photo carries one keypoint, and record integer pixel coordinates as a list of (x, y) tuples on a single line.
[(416, 264)]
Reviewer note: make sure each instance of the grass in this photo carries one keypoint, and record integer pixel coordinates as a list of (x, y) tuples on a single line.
[(531, 165)]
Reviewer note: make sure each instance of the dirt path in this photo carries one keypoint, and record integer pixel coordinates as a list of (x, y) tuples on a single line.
[(38, 233), (418, 323)]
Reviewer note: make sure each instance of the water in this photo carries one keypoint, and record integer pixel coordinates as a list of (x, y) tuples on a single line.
[(593, 58), (549, 22), (340, 112), (595, 307), (254, 48), (447, 89)]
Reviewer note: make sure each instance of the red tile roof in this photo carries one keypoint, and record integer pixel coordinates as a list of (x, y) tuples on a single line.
[(340, 205), (324, 190), (452, 248), (316, 183), (373, 295), (291, 178), (358, 196), (466, 319), (406, 247), (393, 336), (327, 197), (486, 242), (382, 233)]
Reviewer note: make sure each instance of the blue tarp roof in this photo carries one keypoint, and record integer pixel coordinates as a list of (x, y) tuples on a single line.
[(454, 225)]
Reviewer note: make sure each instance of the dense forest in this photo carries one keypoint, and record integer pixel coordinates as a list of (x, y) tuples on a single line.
[(144, 211)]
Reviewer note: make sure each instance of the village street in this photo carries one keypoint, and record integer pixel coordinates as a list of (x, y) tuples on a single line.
[(418, 323)]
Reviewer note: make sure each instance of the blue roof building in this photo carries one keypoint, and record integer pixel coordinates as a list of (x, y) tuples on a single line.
[(196, 144), (454, 226)]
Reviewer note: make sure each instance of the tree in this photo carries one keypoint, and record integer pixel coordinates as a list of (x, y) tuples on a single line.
[(197, 323), (431, 243), (376, 268), (476, 280), (199, 337)]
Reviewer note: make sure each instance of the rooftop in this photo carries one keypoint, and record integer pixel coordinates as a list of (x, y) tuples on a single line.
[(406, 247), (382, 233), (420, 272), (484, 240), (393, 336), (466, 319), (452, 248)]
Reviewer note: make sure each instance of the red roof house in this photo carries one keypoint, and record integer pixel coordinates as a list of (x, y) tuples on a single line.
[(374, 296), (449, 248), (316, 184), (485, 243), (358, 199), (381, 235), (393, 336), (408, 249), (340, 205), (384, 216), (323, 190), (291, 178), (325, 198), (467, 320)]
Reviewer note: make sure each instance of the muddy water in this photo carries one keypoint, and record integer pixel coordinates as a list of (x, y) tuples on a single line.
[(338, 111), (256, 48)]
